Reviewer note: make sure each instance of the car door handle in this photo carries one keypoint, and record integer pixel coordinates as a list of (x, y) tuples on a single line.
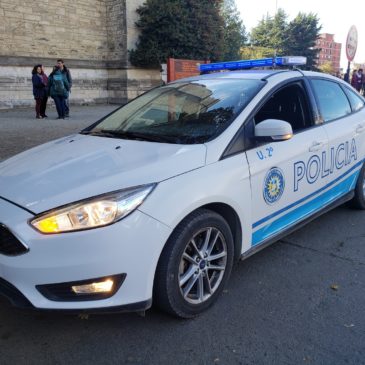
[(316, 146), (360, 128)]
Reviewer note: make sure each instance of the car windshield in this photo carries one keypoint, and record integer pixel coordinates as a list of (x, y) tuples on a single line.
[(183, 112)]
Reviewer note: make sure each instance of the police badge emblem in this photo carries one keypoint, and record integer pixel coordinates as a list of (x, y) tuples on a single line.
[(274, 185)]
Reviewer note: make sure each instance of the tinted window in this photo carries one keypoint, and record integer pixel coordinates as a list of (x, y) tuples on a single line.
[(182, 112), (333, 102), (289, 104), (355, 100)]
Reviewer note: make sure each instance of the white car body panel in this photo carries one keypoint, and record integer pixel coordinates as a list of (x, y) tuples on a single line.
[(266, 219), (226, 181), (82, 255), (61, 172)]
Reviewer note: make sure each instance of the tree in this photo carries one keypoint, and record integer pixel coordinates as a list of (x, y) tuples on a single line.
[(234, 33), (302, 33), (296, 38), (261, 34), (254, 52), (270, 33), (191, 29), (327, 68)]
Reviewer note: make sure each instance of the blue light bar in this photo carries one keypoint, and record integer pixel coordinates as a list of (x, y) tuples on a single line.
[(247, 64)]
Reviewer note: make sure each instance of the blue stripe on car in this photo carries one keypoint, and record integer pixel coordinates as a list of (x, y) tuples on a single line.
[(263, 220), (306, 209)]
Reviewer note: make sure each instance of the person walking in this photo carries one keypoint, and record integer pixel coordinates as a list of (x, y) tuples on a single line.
[(45, 97), (66, 71), (58, 88), (357, 79), (39, 90)]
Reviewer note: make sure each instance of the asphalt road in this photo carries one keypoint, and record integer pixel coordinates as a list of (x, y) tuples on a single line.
[(299, 301)]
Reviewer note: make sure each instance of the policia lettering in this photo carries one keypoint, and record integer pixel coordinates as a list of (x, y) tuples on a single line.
[(322, 166)]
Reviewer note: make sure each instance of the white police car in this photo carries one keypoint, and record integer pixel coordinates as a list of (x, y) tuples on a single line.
[(158, 199)]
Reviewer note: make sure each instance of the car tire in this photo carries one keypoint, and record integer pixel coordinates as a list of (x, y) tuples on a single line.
[(358, 201), (194, 265)]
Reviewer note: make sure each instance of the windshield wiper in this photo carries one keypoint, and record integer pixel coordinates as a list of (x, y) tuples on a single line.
[(130, 135), (101, 133), (147, 136)]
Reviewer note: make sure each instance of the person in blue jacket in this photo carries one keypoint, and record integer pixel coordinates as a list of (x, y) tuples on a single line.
[(66, 71), (39, 90), (58, 89)]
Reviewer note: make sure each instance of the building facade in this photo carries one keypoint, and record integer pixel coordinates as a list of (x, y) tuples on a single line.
[(330, 51), (92, 36)]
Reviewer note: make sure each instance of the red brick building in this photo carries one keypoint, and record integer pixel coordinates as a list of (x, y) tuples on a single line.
[(330, 51)]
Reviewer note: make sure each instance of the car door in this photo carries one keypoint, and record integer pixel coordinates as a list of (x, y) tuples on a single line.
[(286, 177), (343, 113)]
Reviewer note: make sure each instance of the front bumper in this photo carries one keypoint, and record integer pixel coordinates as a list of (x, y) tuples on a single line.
[(131, 246)]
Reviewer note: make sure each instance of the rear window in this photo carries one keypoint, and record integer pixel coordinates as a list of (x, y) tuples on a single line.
[(355, 100), (332, 100)]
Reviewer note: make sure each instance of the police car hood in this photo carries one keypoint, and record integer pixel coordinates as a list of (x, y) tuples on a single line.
[(80, 166)]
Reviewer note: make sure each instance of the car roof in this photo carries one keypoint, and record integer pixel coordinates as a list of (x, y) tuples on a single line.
[(242, 74), (258, 74)]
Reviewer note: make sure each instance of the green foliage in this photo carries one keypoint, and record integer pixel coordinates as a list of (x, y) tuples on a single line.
[(234, 33), (270, 32), (191, 29), (213, 30), (302, 33), (327, 68), (296, 38), (254, 52)]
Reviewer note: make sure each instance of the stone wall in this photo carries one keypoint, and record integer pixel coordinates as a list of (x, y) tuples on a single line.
[(54, 28), (92, 36)]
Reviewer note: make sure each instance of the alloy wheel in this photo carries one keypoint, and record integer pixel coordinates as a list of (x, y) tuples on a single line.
[(202, 265)]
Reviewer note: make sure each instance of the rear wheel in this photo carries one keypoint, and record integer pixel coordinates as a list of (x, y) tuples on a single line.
[(194, 265), (358, 200)]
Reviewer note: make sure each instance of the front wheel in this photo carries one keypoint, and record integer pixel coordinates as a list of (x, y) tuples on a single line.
[(194, 265), (358, 200)]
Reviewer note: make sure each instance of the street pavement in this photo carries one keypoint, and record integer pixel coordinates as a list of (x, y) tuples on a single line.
[(299, 301)]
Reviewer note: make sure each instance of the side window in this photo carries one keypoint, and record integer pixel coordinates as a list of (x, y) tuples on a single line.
[(332, 101), (355, 100), (290, 104)]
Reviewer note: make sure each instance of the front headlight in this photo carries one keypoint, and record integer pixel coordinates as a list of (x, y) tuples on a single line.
[(91, 213)]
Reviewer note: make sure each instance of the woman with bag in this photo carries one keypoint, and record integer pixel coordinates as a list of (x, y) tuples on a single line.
[(58, 88)]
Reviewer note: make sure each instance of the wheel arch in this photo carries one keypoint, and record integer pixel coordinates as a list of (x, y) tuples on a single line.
[(232, 218)]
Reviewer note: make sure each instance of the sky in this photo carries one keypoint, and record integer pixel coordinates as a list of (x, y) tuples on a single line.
[(335, 18)]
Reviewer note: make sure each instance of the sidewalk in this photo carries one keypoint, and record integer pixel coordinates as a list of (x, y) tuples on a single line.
[(20, 130)]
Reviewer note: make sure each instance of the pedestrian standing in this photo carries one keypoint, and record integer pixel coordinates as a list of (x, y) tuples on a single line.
[(39, 90), (58, 87), (66, 71), (45, 97), (357, 79)]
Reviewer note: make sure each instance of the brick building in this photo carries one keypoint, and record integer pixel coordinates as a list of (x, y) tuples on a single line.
[(92, 36), (330, 51)]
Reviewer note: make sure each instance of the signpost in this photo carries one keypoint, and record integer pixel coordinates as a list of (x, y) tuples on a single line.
[(351, 47)]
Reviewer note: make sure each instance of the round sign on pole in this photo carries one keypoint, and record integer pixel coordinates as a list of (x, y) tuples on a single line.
[(351, 43)]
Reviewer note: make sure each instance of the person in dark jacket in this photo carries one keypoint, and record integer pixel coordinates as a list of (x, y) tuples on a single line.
[(39, 90), (357, 79), (58, 88), (67, 73)]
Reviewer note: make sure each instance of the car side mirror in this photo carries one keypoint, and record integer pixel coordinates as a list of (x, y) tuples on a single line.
[(273, 130)]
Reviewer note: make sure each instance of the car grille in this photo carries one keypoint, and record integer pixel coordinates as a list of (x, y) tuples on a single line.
[(9, 244)]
